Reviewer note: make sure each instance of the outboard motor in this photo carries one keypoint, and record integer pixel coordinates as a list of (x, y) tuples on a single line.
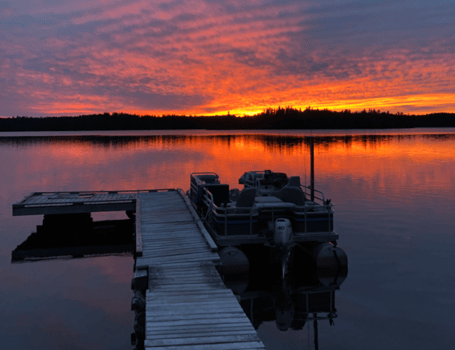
[(283, 232), (284, 306), (283, 239)]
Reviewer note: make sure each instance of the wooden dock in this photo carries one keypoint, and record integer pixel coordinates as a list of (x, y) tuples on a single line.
[(181, 302), (188, 307), (49, 203), (187, 304)]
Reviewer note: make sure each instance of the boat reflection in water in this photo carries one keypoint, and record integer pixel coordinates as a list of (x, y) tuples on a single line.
[(306, 294)]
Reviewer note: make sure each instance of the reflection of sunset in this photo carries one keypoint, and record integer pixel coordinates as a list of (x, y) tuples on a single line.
[(167, 161), (218, 57)]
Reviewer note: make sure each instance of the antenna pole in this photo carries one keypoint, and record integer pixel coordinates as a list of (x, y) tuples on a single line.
[(312, 167)]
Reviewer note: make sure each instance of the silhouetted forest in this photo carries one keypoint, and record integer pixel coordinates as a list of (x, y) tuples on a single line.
[(280, 118)]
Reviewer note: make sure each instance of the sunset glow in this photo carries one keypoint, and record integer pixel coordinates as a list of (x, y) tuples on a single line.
[(102, 166), (214, 57)]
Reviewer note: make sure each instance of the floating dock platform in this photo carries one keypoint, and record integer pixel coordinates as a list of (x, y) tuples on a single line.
[(50, 203)]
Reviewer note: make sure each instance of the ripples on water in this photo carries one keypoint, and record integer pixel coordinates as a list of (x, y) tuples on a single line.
[(394, 202)]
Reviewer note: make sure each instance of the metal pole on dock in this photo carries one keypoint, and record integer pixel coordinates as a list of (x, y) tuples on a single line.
[(312, 167)]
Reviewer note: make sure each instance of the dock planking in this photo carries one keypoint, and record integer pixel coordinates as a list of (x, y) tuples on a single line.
[(52, 203), (187, 304), (192, 309)]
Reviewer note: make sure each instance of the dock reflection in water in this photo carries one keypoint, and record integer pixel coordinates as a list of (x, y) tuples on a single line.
[(76, 236), (305, 296)]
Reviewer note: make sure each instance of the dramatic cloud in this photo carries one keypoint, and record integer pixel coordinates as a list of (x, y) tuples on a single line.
[(213, 56)]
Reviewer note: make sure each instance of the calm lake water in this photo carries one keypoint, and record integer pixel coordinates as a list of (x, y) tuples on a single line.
[(394, 197)]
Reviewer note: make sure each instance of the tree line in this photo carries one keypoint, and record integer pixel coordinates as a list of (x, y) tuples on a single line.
[(270, 118)]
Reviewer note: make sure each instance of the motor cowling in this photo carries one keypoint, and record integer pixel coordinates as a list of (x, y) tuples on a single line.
[(283, 232)]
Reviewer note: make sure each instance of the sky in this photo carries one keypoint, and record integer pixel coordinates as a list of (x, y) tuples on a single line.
[(62, 57)]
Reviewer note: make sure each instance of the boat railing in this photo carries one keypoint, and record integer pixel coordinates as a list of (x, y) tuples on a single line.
[(252, 178), (197, 181), (193, 191), (321, 205), (256, 182), (226, 212), (207, 198), (307, 191), (248, 213), (198, 175)]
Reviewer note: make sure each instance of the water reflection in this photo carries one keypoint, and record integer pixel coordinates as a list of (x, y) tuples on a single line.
[(165, 161), (76, 236), (271, 141), (394, 198), (305, 296)]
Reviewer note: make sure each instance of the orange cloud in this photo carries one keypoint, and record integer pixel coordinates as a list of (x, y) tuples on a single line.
[(212, 57)]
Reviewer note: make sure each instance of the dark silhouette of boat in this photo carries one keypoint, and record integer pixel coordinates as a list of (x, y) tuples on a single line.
[(272, 210)]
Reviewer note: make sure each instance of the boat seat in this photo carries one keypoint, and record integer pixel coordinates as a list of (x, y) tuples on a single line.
[(258, 176), (249, 178), (246, 198), (266, 182), (294, 181), (220, 193), (291, 194)]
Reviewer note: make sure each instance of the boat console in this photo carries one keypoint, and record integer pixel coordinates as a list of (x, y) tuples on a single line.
[(265, 181)]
